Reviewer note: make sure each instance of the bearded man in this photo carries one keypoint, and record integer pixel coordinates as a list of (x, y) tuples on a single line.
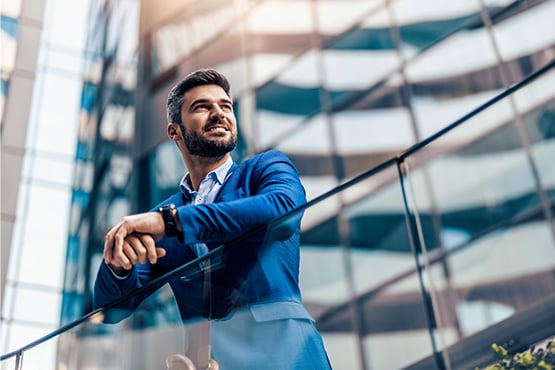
[(253, 301)]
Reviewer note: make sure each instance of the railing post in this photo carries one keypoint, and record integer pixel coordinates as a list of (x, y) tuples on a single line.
[(19, 360)]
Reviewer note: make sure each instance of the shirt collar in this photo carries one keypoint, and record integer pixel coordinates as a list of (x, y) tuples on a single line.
[(219, 174)]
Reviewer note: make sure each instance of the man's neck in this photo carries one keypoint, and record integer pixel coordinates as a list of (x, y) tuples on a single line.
[(199, 167)]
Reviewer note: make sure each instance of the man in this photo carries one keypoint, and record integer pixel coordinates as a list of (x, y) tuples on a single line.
[(253, 300)]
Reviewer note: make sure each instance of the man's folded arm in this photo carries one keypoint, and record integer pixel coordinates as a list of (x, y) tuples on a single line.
[(279, 191)]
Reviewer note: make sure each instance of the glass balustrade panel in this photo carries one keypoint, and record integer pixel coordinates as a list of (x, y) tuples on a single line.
[(482, 200)]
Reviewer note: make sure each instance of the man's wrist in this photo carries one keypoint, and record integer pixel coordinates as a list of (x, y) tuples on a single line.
[(172, 225)]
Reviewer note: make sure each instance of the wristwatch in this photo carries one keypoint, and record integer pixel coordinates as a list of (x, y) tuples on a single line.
[(169, 214)]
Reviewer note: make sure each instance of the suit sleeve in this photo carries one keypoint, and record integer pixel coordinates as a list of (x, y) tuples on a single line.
[(108, 287), (274, 188)]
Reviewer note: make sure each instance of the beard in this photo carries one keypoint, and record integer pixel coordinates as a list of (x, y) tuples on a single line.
[(198, 145)]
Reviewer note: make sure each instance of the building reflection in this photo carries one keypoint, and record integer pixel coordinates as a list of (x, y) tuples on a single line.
[(341, 87)]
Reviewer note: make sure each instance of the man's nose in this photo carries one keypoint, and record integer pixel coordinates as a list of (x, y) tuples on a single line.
[(216, 111)]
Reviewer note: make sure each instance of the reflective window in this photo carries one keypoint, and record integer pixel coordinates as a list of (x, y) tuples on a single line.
[(437, 247)]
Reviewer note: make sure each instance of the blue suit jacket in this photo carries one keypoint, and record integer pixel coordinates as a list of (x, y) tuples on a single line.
[(264, 268)]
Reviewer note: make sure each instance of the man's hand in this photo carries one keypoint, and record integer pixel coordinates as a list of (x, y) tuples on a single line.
[(133, 241)]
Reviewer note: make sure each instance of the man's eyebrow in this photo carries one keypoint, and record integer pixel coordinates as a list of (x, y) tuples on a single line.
[(201, 101)]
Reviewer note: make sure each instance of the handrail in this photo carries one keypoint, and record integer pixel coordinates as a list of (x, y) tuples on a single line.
[(196, 266), (503, 94)]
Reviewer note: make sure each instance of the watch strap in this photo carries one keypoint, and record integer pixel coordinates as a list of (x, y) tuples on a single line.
[(169, 214)]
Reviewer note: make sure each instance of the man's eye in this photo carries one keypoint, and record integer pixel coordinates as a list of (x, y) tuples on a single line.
[(201, 107), (227, 107)]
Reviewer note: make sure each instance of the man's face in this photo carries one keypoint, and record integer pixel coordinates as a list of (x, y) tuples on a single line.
[(209, 122)]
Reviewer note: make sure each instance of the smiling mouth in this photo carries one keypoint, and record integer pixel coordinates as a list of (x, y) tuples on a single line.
[(217, 128)]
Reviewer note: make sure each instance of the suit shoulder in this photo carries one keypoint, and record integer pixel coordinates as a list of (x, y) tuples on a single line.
[(271, 155), (258, 164)]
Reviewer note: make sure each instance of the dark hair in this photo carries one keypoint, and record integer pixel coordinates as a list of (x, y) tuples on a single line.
[(197, 78)]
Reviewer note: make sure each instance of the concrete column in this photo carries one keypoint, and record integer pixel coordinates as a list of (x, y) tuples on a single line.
[(15, 120)]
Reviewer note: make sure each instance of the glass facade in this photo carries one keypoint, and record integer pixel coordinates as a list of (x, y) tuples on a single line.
[(429, 246), (100, 194), (41, 49)]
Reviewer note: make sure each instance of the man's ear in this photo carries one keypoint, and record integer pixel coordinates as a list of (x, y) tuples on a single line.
[(174, 131)]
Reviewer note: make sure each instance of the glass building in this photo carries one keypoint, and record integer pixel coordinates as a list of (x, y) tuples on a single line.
[(420, 137), (41, 49)]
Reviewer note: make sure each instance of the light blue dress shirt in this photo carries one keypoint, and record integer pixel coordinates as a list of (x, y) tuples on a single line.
[(206, 193)]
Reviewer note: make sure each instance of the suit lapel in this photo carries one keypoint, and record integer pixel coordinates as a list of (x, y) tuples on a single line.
[(227, 176)]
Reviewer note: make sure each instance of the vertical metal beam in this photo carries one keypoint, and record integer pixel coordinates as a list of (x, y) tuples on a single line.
[(505, 75), (415, 242), (429, 296), (19, 360)]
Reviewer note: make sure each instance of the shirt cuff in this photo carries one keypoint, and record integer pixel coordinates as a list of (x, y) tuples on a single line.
[(116, 275)]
